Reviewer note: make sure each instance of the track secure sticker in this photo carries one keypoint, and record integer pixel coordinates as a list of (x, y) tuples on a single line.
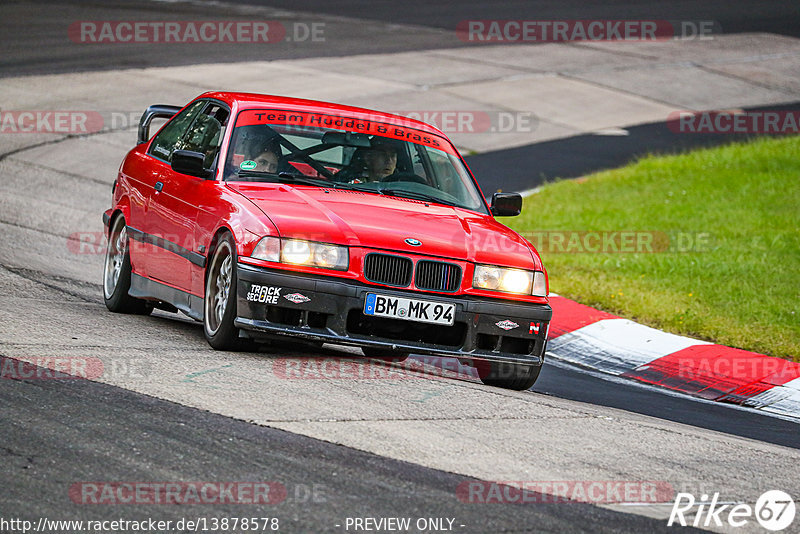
[(264, 294), (248, 165)]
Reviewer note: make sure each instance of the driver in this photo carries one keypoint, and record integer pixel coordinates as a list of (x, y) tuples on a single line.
[(380, 161), (371, 164)]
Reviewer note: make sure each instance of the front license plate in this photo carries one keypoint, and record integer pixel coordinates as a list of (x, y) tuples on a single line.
[(423, 311)]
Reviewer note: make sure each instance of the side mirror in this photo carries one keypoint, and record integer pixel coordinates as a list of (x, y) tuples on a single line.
[(191, 163), (158, 111), (506, 204)]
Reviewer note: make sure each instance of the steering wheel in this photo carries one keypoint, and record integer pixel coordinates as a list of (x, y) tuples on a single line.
[(405, 177)]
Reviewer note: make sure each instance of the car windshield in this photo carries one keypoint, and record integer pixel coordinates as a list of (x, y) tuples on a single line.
[(334, 151)]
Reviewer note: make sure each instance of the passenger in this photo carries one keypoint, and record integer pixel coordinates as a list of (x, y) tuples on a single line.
[(260, 146), (267, 161)]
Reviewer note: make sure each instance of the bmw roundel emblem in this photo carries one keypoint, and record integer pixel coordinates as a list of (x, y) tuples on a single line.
[(413, 242)]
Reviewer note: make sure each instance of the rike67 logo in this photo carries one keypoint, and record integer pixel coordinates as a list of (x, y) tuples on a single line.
[(774, 510)]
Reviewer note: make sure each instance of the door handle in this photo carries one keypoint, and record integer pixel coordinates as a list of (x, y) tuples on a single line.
[(159, 187)]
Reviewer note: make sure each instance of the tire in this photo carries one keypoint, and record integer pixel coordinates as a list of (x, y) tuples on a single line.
[(117, 273), (387, 355), (219, 304), (508, 375)]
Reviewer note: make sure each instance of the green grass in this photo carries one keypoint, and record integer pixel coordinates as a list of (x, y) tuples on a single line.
[(740, 287)]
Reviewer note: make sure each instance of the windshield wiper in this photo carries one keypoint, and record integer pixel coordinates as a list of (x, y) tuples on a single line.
[(414, 195), (302, 179), (291, 178), (284, 177), (354, 187)]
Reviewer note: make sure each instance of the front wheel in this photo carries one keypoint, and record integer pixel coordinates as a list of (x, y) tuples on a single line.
[(508, 375), (117, 273), (219, 306)]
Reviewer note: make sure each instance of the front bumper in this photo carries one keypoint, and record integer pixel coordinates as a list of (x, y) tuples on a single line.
[(320, 308)]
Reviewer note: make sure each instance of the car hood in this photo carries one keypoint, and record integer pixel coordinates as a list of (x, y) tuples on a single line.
[(382, 222)]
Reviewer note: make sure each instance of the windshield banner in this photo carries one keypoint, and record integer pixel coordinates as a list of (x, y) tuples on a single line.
[(369, 126)]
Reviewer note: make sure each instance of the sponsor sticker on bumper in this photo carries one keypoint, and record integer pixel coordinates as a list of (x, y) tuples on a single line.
[(297, 298), (263, 294), (423, 311)]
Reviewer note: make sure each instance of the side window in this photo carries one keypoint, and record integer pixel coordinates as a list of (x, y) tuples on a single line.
[(205, 134), (170, 136)]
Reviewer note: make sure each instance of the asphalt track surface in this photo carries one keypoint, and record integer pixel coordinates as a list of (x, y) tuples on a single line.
[(32, 32), (114, 434), (32, 36), (732, 17), (57, 432)]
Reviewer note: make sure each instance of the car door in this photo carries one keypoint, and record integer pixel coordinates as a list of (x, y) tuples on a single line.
[(172, 213), (144, 252)]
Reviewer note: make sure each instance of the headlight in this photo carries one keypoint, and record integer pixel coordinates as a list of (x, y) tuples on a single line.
[(509, 280), (300, 252), (330, 256), (297, 252)]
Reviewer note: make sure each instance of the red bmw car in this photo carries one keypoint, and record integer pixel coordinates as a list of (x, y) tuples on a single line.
[(269, 217)]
